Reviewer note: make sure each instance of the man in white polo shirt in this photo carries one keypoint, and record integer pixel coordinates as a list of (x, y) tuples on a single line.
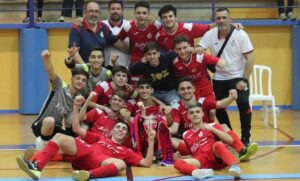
[(239, 55)]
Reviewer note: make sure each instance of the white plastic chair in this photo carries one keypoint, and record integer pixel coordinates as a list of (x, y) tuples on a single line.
[(257, 83)]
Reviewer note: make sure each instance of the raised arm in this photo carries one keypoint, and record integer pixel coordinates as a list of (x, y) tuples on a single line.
[(48, 65), (78, 101), (82, 115), (147, 161)]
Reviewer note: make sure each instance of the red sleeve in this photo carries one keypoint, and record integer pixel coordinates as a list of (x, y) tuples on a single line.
[(199, 30), (92, 115), (211, 60), (175, 115), (132, 158), (99, 91), (207, 103), (91, 137), (219, 127), (122, 34)]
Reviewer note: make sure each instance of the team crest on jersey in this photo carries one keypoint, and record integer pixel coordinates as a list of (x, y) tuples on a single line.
[(166, 39), (101, 34), (194, 70), (149, 35), (200, 134)]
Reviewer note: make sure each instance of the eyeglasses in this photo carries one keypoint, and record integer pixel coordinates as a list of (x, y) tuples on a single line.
[(91, 11)]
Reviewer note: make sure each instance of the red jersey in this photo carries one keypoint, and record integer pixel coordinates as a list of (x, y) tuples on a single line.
[(104, 91), (134, 108), (101, 122), (179, 113), (106, 146), (196, 69), (200, 142), (138, 38), (191, 30)]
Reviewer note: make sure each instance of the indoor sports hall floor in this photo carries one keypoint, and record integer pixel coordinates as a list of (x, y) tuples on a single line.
[(278, 157)]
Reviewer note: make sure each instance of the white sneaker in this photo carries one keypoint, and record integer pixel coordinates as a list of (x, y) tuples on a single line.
[(81, 175), (291, 16), (235, 171), (202, 173)]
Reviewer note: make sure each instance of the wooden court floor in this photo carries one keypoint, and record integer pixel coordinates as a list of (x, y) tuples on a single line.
[(278, 157)]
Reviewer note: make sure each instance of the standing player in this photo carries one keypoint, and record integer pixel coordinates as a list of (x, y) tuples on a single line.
[(171, 28), (115, 23), (139, 30), (206, 152), (194, 65), (58, 106), (93, 157), (239, 55)]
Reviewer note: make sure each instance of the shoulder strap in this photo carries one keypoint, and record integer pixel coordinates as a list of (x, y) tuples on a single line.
[(225, 42)]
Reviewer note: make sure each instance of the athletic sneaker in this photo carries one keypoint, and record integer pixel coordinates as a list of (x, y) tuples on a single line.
[(235, 171), (166, 163), (28, 153), (80, 175), (202, 173), (248, 151), (29, 167)]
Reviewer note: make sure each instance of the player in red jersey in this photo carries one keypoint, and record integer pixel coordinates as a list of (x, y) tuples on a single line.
[(171, 28), (146, 113), (194, 65), (205, 151), (105, 89), (93, 157), (181, 122), (100, 121), (140, 30)]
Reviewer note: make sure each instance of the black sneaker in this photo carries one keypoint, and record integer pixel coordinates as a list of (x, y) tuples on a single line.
[(248, 151), (29, 167), (246, 141)]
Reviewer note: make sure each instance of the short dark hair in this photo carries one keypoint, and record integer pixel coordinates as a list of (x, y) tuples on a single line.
[(151, 46), (180, 38), (80, 71), (97, 48), (145, 80), (167, 8), (198, 104), (121, 94), (186, 79), (142, 4), (120, 68), (115, 2), (222, 9)]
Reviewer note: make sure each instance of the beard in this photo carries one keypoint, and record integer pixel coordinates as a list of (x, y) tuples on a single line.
[(115, 17)]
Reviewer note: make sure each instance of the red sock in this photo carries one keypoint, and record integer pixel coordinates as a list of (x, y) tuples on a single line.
[(237, 144), (57, 158), (183, 149), (46, 154), (221, 150), (184, 167), (104, 171)]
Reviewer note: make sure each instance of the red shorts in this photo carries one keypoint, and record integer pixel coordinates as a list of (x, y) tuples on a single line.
[(86, 157), (210, 161)]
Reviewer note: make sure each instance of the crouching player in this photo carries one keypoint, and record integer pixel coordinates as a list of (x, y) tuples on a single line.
[(93, 156), (206, 152)]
